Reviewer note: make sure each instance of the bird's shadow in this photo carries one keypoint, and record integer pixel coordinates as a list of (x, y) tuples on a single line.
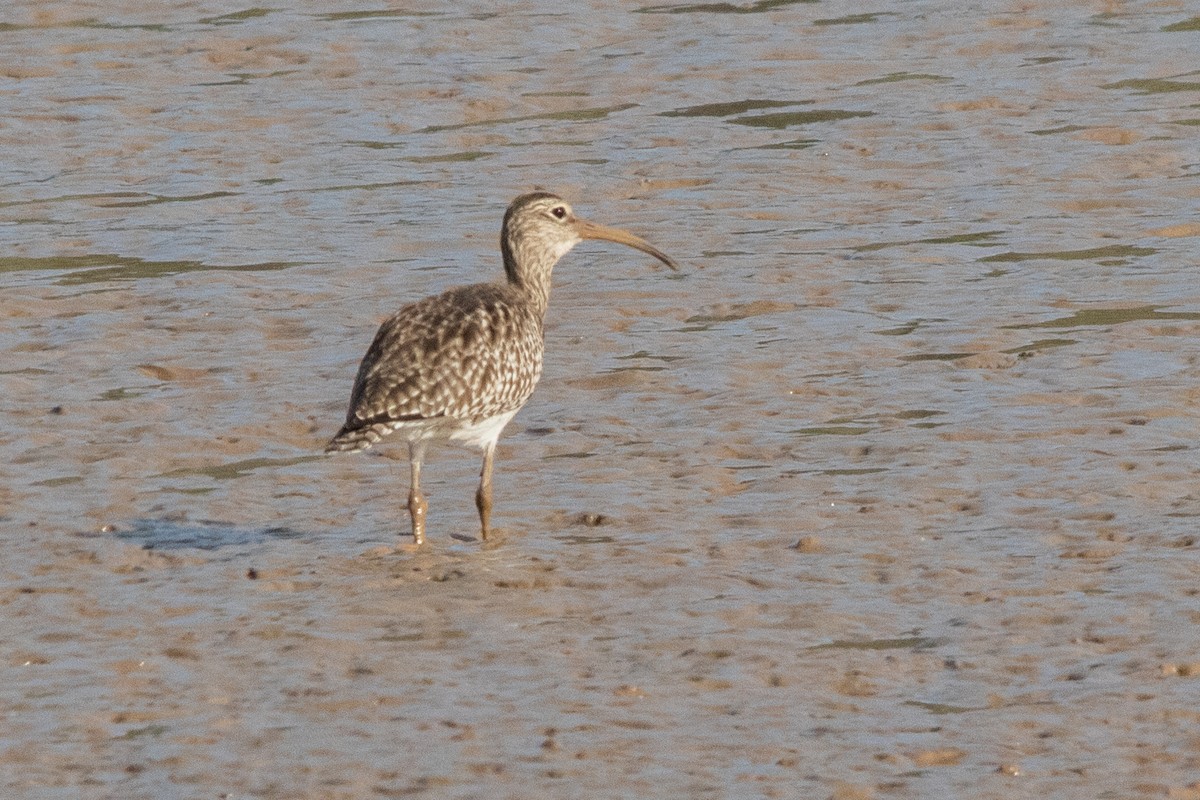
[(211, 535)]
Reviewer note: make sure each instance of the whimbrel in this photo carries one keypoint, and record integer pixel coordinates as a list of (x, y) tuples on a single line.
[(458, 366)]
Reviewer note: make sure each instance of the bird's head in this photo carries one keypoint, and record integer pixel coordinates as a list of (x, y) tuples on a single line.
[(540, 228)]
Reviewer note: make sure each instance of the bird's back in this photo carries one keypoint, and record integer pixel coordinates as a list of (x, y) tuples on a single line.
[(459, 358)]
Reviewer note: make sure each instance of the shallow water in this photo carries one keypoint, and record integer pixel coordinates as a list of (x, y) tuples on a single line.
[(890, 493)]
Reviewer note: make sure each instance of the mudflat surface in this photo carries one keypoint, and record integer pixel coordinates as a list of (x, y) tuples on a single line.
[(892, 492)]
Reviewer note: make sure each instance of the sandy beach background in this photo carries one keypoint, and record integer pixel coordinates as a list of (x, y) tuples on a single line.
[(890, 493)]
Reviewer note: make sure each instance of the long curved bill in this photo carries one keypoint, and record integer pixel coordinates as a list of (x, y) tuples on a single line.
[(594, 230)]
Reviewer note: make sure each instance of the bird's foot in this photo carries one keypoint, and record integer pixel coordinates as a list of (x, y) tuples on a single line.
[(495, 538)]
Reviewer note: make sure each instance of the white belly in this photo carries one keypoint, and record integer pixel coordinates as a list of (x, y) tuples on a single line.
[(482, 434)]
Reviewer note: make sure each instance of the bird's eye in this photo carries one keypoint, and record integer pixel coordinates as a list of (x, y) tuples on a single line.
[(559, 212)]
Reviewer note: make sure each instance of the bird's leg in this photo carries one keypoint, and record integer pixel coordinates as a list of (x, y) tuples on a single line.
[(416, 501), (483, 496)]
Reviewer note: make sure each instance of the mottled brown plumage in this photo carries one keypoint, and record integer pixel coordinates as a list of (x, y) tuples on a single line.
[(458, 366)]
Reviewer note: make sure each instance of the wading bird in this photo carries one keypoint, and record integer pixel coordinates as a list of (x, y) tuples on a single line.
[(458, 366)]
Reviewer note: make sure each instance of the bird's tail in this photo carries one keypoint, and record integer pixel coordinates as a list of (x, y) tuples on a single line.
[(352, 440)]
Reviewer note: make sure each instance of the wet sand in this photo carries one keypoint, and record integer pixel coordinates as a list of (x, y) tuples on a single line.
[(890, 493)]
